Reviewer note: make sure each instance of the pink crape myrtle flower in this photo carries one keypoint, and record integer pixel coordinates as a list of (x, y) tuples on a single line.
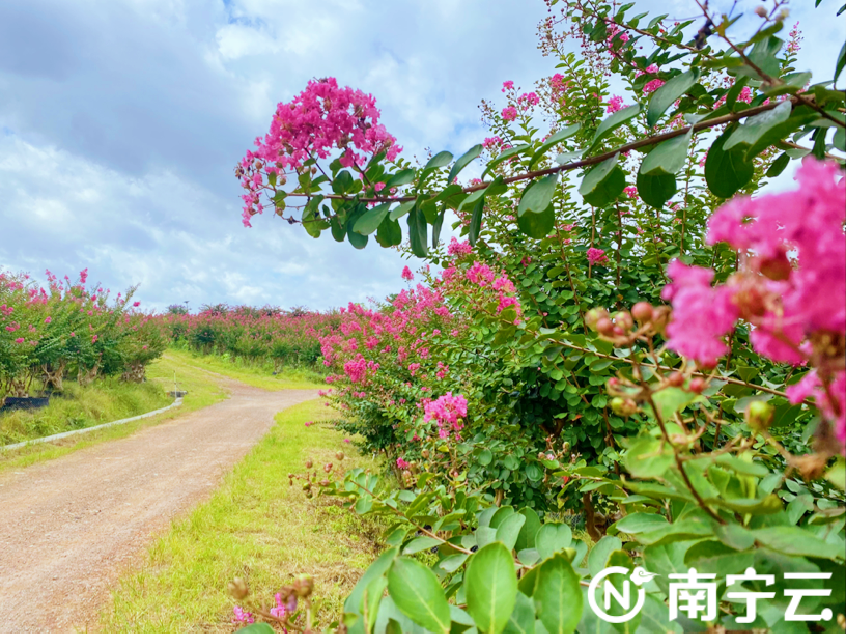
[(448, 412), (407, 274), (402, 464), (615, 104), (509, 113), (597, 256)]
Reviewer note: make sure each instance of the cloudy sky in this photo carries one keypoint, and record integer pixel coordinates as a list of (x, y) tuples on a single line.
[(121, 122)]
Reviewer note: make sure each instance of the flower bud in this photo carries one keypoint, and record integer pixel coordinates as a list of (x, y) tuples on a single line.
[(309, 464), (642, 311), (676, 379), (324, 483), (340, 455), (759, 414), (696, 385), (593, 316), (623, 406), (425, 453), (238, 588), (613, 382), (761, 11), (328, 467), (660, 318), (624, 320), (605, 326)]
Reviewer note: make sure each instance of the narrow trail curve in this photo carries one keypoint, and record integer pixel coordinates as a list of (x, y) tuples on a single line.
[(69, 526)]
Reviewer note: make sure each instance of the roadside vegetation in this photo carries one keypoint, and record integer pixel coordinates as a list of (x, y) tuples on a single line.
[(256, 527)]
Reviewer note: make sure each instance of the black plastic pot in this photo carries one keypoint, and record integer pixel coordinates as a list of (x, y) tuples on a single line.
[(26, 402)]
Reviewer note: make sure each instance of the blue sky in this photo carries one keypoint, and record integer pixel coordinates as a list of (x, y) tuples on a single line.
[(121, 122)]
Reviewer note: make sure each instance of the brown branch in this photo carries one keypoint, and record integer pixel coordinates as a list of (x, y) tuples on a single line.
[(594, 160)]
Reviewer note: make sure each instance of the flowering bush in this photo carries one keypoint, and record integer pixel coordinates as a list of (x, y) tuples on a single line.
[(70, 327), (632, 335), (256, 335)]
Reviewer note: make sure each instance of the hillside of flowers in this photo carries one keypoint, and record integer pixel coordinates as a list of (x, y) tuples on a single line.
[(634, 358), (253, 335), (70, 329)]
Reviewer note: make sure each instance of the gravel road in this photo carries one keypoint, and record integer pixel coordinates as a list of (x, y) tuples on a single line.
[(70, 526)]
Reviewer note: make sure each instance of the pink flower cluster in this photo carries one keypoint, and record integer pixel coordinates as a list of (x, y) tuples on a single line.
[(459, 248), (448, 412), (322, 118), (597, 256), (615, 104), (790, 285), (509, 113), (407, 274)]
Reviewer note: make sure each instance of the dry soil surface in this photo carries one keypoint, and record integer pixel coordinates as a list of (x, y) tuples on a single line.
[(70, 526)]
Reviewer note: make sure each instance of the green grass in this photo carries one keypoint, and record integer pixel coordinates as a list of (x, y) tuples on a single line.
[(79, 407), (256, 527), (257, 375), (104, 401)]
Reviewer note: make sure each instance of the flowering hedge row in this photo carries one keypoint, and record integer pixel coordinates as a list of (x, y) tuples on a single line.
[(69, 327), (256, 335)]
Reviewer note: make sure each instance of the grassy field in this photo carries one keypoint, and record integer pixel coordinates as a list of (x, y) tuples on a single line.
[(104, 402), (256, 527)]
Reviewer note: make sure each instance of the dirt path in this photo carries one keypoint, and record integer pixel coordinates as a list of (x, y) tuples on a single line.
[(70, 525)]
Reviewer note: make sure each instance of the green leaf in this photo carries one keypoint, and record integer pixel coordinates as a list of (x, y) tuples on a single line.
[(711, 556), (389, 233), (727, 171), (441, 159), (778, 166), (537, 225), (567, 157), (476, 221), (522, 619), (436, 229), (417, 593), (667, 157), (419, 544), (656, 189), (552, 538), (792, 540), (668, 94), (509, 530), (763, 55), (599, 554), (491, 587), (530, 529), (682, 530), (754, 127), (780, 131), (402, 209), (370, 221), (648, 458), (841, 62), (558, 596), (378, 568), (554, 140), (612, 123), (602, 184), (672, 400), (837, 474), (356, 239), (372, 598), (417, 233), (343, 182), (465, 159), (453, 562), (635, 523), (538, 195), (403, 177)]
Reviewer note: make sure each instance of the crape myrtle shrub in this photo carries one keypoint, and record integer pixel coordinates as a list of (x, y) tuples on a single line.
[(632, 331), (255, 335), (70, 329)]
